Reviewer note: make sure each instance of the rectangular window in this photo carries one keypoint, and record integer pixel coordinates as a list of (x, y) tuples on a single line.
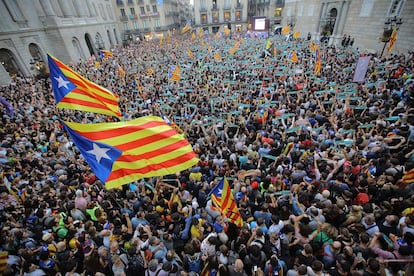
[(278, 12), (142, 9), (135, 25), (300, 10), (148, 8), (238, 16), (126, 26), (123, 13), (395, 8), (227, 16), (310, 10), (203, 18), (157, 23), (215, 16), (145, 24), (132, 10), (154, 8)]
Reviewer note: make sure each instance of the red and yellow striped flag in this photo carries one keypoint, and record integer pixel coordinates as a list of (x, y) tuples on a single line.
[(193, 36), (190, 53), (3, 261), (392, 41), (121, 72), (232, 51), (72, 91), (217, 56), (222, 198), (318, 61), (296, 34), (285, 30), (123, 152), (201, 33), (408, 177)]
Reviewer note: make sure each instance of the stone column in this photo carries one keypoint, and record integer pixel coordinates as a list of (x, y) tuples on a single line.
[(343, 18), (66, 8), (322, 13), (47, 7)]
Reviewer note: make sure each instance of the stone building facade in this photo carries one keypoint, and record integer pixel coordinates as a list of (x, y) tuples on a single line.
[(143, 19), (367, 21), (69, 30)]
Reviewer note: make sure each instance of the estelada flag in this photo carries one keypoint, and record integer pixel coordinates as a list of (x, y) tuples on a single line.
[(222, 198), (72, 91), (123, 152)]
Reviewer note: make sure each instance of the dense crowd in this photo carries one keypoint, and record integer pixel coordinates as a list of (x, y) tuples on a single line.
[(315, 162)]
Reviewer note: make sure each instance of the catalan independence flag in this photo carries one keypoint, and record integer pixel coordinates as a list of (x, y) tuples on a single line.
[(174, 73), (105, 54), (293, 57), (190, 53), (123, 152), (72, 91), (222, 198)]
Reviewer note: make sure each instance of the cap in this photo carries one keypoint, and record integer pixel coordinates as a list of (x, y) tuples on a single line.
[(255, 185)]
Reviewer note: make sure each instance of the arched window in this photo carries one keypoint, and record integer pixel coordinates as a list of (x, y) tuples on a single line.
[(9, 62)]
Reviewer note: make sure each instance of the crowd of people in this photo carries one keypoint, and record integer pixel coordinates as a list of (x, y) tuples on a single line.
[(321, 168)]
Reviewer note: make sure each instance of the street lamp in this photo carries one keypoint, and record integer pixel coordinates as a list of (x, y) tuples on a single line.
[(390, 24)]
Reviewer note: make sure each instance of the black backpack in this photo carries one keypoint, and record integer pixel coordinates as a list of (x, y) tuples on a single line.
[(136, 263)]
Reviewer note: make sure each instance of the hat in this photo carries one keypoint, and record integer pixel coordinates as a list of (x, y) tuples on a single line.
[(255, 185), (46, 236), (326, 193)]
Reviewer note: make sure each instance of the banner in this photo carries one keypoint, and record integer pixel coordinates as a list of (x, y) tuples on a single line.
[(361, 69)]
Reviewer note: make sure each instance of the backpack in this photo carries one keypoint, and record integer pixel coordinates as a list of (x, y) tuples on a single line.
[(193, 263)]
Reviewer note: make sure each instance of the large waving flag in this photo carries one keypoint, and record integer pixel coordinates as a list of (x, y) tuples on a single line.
[(222, 198), (393, 39), (72, 91), (123, 152), (174, 73)]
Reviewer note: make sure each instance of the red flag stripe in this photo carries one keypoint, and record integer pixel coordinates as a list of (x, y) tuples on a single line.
[(152, 154), (127, 129), (82, 102), (84, 90), (153, 167)]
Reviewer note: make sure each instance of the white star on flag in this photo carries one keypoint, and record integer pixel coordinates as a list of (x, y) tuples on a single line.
[(99, 152), (220, 192), (62, 82)]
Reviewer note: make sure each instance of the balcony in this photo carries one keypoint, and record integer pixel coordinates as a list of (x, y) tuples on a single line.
[(279, 2), (226, 7), (119, 3), (133, 16), (130, 2), (214, 8), (203, 21), (123, 18), (154, 14), (142, 15), (203, 9), (239, 6)]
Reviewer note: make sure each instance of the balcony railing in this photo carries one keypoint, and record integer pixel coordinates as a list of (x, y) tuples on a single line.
[(205, 21), (130, 2), (143, 15), (123, 18), (203, 9), (214, 8), (226, 7), (133, 16), (119, 2), (154, 14)]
